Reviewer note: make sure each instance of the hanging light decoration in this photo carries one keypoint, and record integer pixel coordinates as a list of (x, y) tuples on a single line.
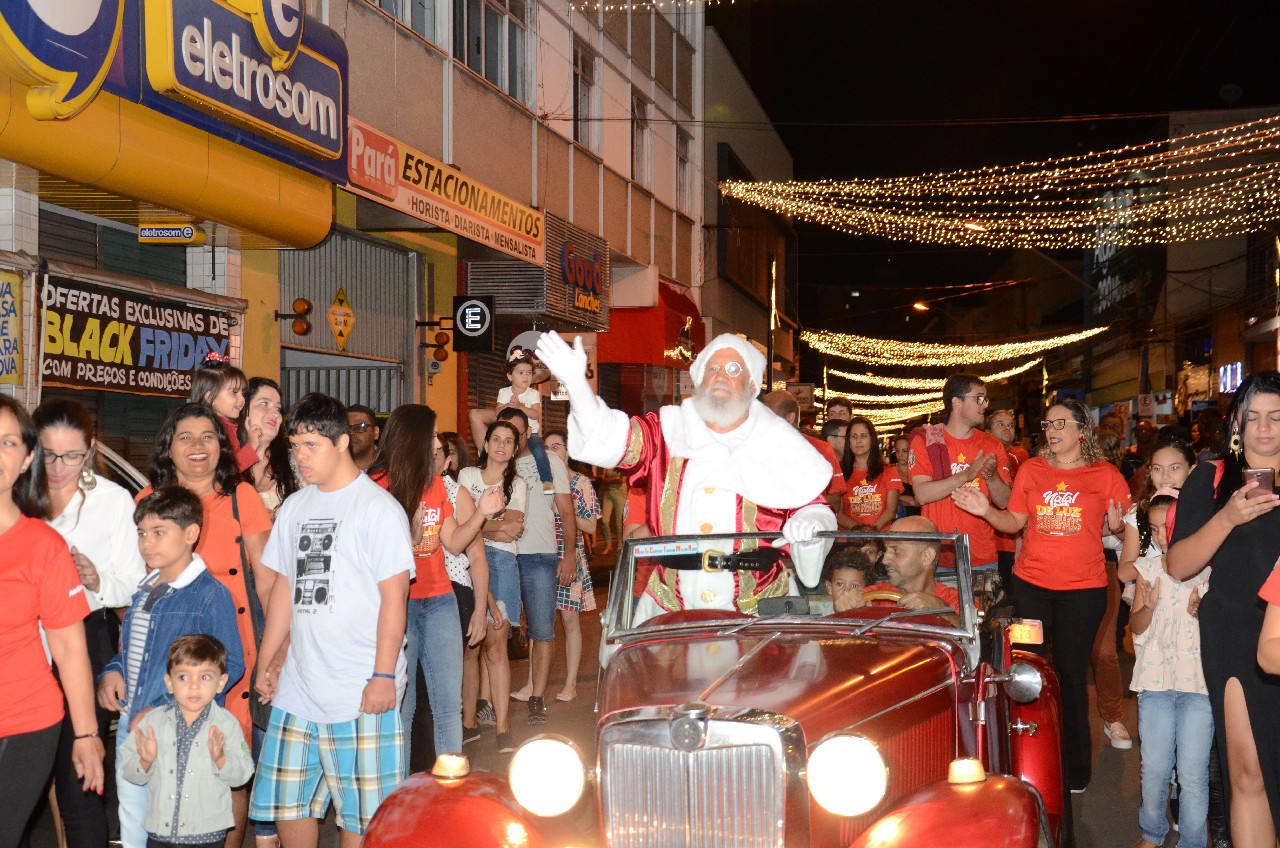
[(924, 354), (1204, 185), (927, 382), (643, 5)]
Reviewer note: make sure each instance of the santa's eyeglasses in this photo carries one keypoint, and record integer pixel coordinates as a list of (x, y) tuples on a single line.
[(730, 369)]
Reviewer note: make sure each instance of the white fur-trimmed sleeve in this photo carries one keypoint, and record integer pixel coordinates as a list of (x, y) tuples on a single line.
[(598, 435)]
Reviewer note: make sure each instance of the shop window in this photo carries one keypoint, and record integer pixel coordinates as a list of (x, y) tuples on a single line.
[(684, 171), (641, 141), (490, 36), (418, 15), (584, 95)]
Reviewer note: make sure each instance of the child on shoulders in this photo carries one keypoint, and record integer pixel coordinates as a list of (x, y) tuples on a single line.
[(521, 395), (221, 386)]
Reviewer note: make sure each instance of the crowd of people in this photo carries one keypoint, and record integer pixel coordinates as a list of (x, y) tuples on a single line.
[(1172, 538), (234, 659)]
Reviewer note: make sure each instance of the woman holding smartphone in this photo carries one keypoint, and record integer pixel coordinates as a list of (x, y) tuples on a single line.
[(1230, 522)]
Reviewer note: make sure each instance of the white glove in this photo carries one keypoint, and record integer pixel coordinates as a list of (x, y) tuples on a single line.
[(801, 529), (567, 364)]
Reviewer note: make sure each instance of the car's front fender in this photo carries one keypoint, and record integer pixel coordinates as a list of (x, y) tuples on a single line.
[(477, 811), (1000, 811)]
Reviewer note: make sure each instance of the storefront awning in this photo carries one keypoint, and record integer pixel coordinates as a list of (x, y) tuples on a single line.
[(669, 334)]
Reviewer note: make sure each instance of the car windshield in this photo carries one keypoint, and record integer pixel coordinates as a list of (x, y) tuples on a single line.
[(678, 581)]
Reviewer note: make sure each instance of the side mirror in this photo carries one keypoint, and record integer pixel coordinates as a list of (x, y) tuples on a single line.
[(1023, 682)]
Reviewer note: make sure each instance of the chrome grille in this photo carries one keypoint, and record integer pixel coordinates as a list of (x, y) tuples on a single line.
[(723, 795)]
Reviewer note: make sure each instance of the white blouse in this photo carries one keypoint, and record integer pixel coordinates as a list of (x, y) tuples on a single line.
[(99, 524), (472, 478)]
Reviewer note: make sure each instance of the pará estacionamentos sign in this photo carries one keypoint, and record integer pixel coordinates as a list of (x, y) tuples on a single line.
[(104, 339), (396, 175)]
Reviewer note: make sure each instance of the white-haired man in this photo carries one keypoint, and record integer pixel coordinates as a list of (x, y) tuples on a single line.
[(720, 462)]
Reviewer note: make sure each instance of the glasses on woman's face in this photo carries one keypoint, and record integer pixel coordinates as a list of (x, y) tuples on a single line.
[(1053, 424), (69, 459), (555, 446)]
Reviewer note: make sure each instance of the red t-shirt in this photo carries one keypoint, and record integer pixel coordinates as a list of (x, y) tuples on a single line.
[(1017, 456), (1066, 510), (430, 579), (822, 446), (38, 583), (948, 517), (864, 500), (941, 590), (1270, 591)]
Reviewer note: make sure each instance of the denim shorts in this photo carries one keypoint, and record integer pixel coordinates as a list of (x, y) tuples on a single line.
[(504, 581), (538, 584)]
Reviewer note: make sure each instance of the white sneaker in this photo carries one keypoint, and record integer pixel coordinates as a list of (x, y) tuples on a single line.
[(1119, 735)]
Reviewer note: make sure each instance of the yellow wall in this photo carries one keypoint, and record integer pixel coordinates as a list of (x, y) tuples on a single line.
[(260, 285)]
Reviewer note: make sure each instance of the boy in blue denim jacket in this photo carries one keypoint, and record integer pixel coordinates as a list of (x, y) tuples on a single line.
[(178, 597)]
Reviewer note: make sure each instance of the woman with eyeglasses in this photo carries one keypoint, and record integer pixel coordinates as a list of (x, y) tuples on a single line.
[(95, 517), (1066, 498), (1227, 518)]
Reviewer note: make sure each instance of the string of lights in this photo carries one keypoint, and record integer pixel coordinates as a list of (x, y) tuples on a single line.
[(643, 5), (895, 415), (929, 355), (1204, 185), (926, 382)]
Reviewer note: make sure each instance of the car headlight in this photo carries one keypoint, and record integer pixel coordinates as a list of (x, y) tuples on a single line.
[(847, 775), (547, 776)]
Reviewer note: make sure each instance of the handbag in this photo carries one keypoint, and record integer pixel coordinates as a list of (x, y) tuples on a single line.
[(259, 713)]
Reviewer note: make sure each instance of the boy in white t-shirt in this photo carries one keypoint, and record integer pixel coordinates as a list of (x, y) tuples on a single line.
[(343, 549), (521, 395)]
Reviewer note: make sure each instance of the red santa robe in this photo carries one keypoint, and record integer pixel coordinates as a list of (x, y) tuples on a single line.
[(756, 477)]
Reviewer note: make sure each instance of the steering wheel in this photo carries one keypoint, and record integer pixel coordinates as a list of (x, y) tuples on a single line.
[(883, 596)]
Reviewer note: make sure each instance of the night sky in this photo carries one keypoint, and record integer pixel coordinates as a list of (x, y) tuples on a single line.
[(864, 88)]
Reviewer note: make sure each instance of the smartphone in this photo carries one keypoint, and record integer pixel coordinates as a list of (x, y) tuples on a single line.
[(1266, 478)]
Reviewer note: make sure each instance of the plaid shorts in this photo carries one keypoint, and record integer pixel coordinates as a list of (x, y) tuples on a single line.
[(304, 764)]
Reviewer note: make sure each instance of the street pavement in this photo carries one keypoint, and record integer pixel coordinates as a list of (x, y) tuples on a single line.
[(1105, 816)]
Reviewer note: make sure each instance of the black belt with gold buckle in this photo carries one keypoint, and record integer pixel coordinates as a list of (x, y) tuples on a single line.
[(712, 562)]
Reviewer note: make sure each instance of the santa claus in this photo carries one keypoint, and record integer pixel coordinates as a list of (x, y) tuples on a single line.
[(720, 462)]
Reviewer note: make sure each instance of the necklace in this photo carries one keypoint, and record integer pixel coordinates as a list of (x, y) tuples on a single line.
[(1065, 463)]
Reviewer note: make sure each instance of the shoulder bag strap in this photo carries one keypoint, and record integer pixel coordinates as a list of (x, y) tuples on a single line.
[(246, 570)]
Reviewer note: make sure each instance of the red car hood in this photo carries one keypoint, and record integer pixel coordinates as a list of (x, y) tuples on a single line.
[(825, 682)]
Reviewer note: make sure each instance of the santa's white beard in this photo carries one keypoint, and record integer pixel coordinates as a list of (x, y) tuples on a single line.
[(718, 412)]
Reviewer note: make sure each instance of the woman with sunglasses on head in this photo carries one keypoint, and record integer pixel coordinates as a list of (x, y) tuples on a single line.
[(95, 517), (1066, 499), (263, 420), (1228, 519)]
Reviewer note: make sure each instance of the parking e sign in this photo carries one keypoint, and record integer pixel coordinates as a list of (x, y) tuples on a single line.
[(473, 324)]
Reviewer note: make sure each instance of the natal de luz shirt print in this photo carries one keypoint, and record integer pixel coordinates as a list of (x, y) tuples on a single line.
[(944, 513), (1066, 510), (864, 500)]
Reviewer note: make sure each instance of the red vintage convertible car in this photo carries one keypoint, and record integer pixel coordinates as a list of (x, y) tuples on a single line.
[(876, 726)]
